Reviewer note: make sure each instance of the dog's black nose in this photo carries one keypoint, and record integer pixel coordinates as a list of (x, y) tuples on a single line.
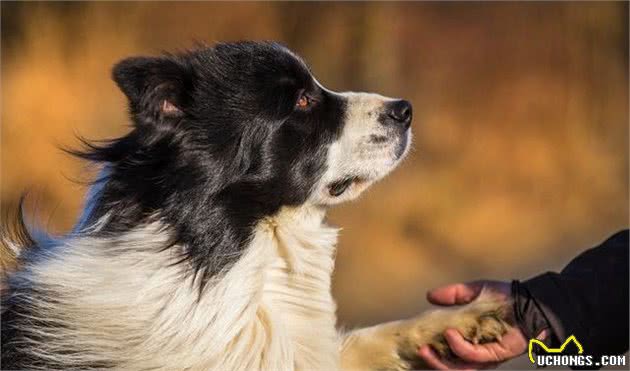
[(401, 112)]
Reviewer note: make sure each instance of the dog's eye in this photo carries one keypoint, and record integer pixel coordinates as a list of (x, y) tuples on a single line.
[(303, 101)]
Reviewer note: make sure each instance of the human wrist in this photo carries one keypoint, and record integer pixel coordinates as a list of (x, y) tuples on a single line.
[(528, 315)]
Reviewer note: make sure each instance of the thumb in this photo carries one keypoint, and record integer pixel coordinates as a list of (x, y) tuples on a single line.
[(455, 294)]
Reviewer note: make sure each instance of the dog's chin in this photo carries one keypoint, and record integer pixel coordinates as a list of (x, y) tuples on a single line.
[(352, 185), (344, 189)]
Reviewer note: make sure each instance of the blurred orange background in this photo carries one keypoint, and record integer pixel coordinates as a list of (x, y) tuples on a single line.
[(521, 124)]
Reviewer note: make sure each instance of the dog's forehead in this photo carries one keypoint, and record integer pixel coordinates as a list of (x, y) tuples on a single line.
[(293, 56), (285, 58), (268, 56)]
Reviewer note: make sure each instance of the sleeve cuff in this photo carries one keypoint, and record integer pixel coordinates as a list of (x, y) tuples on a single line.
[(557, 308)]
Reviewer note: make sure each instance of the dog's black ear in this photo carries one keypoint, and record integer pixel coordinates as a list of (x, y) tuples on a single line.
[(155, 87)]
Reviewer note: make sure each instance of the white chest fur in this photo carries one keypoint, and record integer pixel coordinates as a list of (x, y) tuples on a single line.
[(130, 305), (296, 292)]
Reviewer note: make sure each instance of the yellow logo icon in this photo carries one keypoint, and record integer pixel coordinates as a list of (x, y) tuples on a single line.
[(553, 350)]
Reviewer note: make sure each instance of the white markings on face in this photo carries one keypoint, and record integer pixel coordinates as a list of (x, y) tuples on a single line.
[(365, 152)]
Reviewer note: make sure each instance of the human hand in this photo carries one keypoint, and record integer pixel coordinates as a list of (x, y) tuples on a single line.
[(474, 356)]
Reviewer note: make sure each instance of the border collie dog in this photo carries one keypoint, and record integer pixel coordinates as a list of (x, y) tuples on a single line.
[(203, 244)]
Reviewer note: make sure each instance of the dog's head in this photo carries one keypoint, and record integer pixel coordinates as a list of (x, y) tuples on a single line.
[(226, 136), (252, 117)]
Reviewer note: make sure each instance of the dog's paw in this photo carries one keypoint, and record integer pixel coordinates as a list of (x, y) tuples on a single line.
[(485, 328), (490, 327), (482, 321), (394, 346)]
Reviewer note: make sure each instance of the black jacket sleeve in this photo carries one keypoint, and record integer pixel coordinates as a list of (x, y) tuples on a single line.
[(588, 299)]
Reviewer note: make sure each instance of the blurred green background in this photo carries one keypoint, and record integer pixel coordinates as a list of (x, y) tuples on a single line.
[(520, 158)]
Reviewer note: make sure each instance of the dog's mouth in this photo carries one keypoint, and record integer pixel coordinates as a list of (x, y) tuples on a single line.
[(336, 189)]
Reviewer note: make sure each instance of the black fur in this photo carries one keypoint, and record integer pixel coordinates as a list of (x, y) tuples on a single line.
[(236, 150), (218, 142)]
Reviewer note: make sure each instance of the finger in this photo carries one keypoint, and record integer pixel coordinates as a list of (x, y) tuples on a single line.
[(431, 359), (436, 363), (491, 352), (455, 294)]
